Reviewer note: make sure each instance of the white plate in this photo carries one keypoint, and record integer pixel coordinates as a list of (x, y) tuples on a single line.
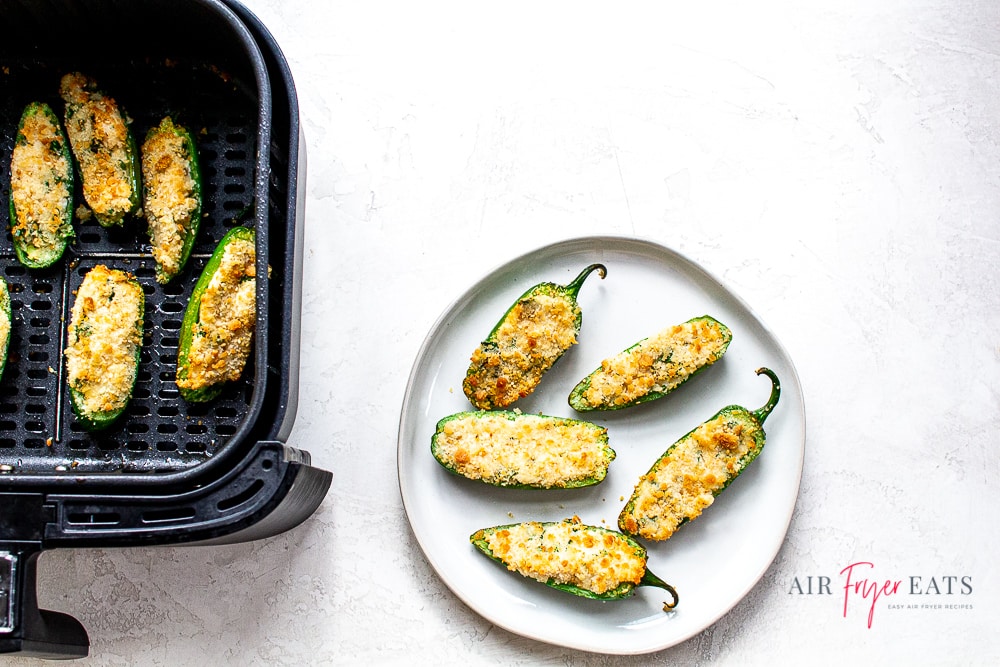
[(712, 562)]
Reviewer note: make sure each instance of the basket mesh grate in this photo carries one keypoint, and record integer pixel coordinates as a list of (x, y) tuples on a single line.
[(159, 431)]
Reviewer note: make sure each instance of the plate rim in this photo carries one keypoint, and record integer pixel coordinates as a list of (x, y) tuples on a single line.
[(571, 244)]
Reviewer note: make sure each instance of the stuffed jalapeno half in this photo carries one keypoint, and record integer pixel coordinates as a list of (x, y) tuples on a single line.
[(653, 367), (171, 184), (696, 469), (104, 344), (512, 449), (6, 322), (104, 148), (218, 325), (41, 188), (588, 561), (531, 336)]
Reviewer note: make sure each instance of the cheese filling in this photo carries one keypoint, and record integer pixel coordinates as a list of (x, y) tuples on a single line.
[(533, 335), (105, 334), (568, 552), (39, 186), (99, 137), (656, 364), (220, 340), (530, 450), (170, 198), (682, 484)]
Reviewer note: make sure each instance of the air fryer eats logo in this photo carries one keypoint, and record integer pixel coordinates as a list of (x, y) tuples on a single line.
[(862, 589)]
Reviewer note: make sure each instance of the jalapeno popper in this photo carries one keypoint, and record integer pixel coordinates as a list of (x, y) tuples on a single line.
[(219, 321), (512, 449), (171, 183), (41, 188), (653, 367), (104, 149), (587, 561), (104, 343), (5, 324), (696, 469), (531, 336)]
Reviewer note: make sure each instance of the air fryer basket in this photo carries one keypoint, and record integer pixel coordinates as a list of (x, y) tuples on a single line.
[(225, 102), (167, 472)]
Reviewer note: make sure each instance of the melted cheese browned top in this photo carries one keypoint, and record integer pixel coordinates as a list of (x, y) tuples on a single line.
[(220, 340), (532, 336), (105, 333), (683, 483), (170, 196), (567, 552), (656, 364), (39, 187), (99, 137), (530, 450)]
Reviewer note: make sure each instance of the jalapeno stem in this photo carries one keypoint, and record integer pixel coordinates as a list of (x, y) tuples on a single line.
[(761, 414), (650, 579), (574, 287)]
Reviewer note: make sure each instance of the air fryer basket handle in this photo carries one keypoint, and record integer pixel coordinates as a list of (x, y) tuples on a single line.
[(26, 629)]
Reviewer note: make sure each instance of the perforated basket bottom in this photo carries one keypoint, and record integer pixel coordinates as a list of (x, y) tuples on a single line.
[(159, 432)]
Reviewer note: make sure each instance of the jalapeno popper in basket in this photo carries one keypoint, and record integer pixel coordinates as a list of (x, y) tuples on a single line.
[(219, 321), (41, 188), (104, 148), (653, 367), (104, 344), (696, 469), (171, 185), (588, 561), (531, 336), (512, 449)]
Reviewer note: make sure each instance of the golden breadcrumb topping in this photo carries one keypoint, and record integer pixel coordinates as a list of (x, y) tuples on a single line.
[(105, 333), (39, 186), (220, 340), (99, 137), (683, 483), (568, 552), (657, 364), (171, 198), (532, 336), (530, 450)]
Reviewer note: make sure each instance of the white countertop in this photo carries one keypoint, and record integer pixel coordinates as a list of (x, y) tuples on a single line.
[(838, 166)]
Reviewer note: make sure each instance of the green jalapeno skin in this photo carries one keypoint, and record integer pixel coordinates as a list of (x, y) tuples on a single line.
[(89, 418), (185, 210), (569, 580), (510, 362), (192, 316), (705, 460), (526, 451), (6, 324), (87, 107), (41, 232), (616, 390)]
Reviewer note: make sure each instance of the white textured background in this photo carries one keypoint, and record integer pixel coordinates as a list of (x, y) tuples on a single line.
[(837, 164)]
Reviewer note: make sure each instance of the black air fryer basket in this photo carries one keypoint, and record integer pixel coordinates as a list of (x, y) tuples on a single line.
[(167, 472)]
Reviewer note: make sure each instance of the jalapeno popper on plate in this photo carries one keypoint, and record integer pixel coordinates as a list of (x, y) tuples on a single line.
[(531, 336), (653, 367), (696, 469), (512, 449), (588, 561)]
